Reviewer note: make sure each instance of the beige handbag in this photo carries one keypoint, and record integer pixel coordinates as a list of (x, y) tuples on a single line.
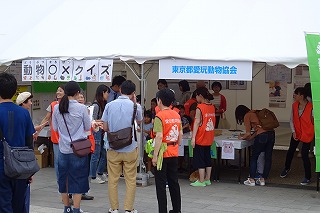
[(223, 123)]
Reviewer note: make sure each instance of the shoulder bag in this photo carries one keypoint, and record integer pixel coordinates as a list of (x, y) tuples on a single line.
[(81, 147), (123, 137), (19, 162)]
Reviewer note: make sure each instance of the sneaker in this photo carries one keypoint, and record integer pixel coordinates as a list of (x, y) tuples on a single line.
[(284, 173), (305, 182), (207, 182), (97, 180), (150, 174), (113, 211), (103, 177), (248, 182), (260, 182), (86, 197), (198, 183), (133, 211)]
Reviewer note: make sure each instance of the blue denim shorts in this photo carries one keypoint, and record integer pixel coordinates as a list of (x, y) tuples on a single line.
[(73, 174)]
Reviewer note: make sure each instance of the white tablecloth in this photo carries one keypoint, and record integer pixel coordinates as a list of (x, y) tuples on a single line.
[(227, 136)]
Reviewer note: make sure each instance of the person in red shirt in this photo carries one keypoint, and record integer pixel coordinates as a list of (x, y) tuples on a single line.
[(203, 135), (302, 127)]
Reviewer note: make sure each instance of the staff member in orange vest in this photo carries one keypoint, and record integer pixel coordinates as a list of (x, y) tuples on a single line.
[(54, 134), (302, 126), (203, 135), (168, 129)]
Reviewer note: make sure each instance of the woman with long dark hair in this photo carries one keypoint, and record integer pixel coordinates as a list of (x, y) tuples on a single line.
[(263, 142), (98, 158), (72, 121)]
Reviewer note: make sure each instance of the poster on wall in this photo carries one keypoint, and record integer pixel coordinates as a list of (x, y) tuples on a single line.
[(301, 76), (277, 94), (278, 73), (237, 85)]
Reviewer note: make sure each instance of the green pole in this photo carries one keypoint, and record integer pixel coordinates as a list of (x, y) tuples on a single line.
[(313, 51)]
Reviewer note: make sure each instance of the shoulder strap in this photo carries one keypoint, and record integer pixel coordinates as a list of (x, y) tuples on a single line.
[(132, 122), (95, 102), (1, 135), (67, 127)]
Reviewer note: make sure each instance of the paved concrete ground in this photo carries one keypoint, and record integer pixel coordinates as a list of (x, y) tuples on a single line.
[(219, 197)]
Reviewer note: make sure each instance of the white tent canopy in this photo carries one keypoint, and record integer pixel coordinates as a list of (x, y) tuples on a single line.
[(269, 31)]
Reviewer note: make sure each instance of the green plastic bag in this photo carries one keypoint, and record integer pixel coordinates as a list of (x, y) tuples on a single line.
[(213, 150)]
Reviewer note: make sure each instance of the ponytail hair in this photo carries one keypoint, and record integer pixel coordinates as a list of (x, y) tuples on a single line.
[(204, 92), (70, 89), (64, 105)]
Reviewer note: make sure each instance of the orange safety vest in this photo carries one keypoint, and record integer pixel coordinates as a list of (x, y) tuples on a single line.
[(188, 104), (171, 127), (54, 134), (205, 133), (303, 125)]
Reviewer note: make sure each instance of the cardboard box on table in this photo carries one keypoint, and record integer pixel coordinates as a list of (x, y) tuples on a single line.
[(42, 159)]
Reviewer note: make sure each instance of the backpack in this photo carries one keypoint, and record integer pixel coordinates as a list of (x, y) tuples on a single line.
[(267, 118)]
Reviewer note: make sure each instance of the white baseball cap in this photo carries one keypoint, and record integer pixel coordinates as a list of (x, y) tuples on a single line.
[(22, 97)]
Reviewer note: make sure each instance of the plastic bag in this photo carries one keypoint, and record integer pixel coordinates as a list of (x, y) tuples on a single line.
[(224, 123)]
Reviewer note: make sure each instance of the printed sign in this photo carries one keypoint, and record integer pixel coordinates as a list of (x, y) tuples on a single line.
[(53, 66), (227, 150), (205, 70), (78, 71), (40, 70), (65, 71), (27, 70), (58, 70), (105, 70), (91, 70)]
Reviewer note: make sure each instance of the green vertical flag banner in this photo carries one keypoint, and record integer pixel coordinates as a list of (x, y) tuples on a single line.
[(313, 50)]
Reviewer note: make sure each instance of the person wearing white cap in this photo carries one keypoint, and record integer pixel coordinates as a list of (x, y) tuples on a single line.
[(24, 99)]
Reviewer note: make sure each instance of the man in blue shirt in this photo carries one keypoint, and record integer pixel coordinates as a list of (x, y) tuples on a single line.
[(17, 127), (115, 88), (118, 115)]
